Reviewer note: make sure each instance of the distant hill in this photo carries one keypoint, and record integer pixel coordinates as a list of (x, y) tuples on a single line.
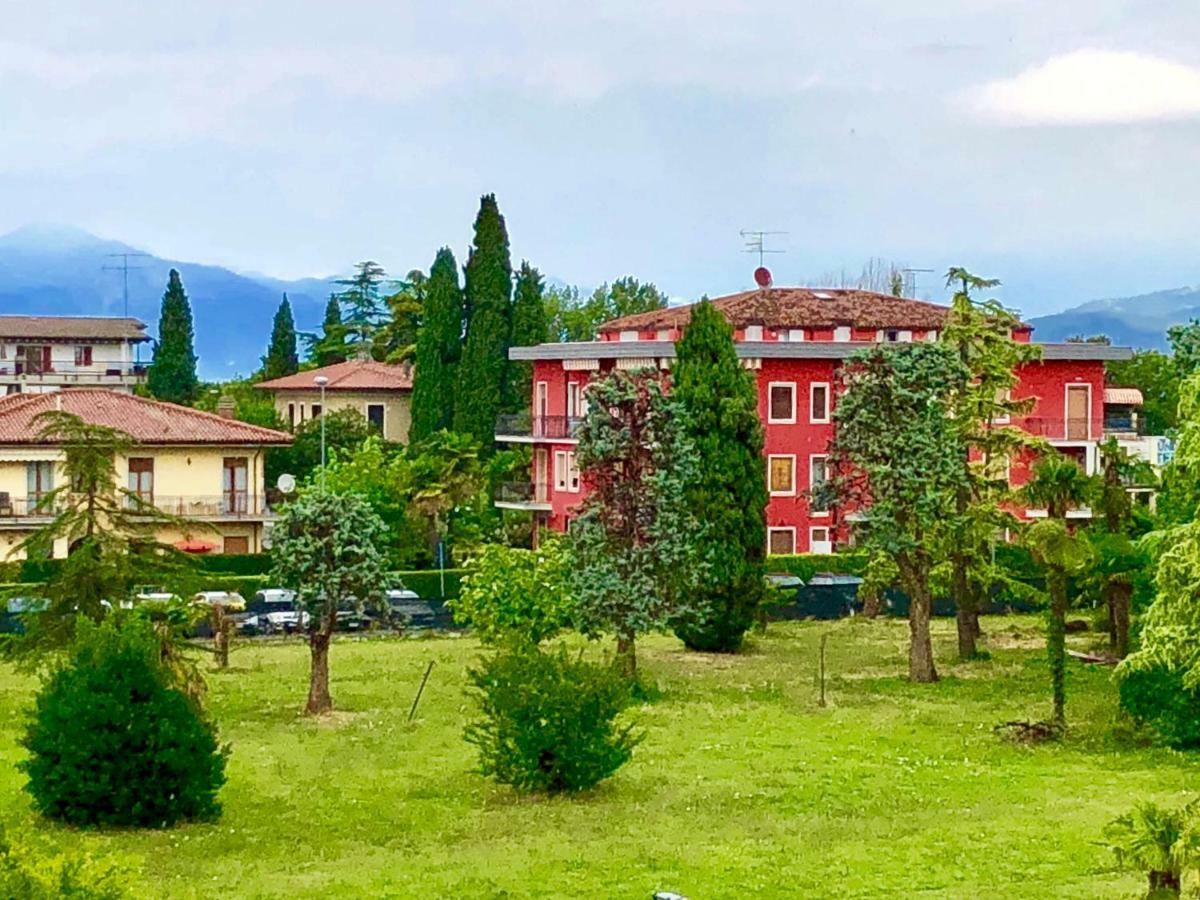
[(1140, 321), (53, 269)]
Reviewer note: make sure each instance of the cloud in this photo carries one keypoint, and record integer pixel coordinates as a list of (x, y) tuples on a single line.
[(1090, 87)]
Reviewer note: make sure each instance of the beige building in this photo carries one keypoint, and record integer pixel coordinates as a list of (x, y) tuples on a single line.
[(46, 353), (381, 393), (195, 465)]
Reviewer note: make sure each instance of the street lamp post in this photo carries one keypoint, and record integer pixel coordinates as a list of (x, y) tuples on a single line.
[(320, 381)]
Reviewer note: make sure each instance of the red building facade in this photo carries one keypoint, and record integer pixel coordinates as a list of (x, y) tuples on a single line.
[(794, 340)]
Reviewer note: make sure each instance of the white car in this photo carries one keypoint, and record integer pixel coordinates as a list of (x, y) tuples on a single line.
[(273, 611)]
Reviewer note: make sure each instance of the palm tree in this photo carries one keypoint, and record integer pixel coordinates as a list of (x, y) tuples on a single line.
[(1057, 484), (1163, 843)]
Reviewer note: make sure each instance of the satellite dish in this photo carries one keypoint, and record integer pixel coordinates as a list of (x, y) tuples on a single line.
[(286, 483), (762, 277)]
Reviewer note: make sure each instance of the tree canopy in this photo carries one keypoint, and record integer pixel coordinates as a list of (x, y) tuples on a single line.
[(282, 356), (439, 347), (172, 375)]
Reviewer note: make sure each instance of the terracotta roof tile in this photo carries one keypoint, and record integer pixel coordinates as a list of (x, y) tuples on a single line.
[(800, 308), (98, 328), (146, 421), (354, 375)]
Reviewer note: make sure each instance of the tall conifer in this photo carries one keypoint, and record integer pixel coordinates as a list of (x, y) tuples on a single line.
[(173, 373), (719, 402), (282, 358), (529, 327), (439, 346), (488, 292)]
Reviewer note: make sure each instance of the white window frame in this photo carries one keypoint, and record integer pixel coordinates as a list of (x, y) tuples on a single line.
[(790, 419), (560, 470), (828, 537), (842, 334), (791, 491), (781, 529), (1067, 409), (367, 414), (754, 333), (574, 399), (796, 335), (812, 410), (628, 335), (812, 462), (572, 473)]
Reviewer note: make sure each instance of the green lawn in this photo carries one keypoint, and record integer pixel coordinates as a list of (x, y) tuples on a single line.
[(744, 787)]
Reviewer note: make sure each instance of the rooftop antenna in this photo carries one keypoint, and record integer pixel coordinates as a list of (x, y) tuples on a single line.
[(910, 280), (756, 242), (124, 268)]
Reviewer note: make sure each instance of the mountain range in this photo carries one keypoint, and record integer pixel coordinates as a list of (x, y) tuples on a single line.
[(54, 269)]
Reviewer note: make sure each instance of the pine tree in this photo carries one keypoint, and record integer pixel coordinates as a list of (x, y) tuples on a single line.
[(529, 327), (719, 401), (173, 375), (330, 346), (439, 346), (362, 302), (488, 293), (282, 358)]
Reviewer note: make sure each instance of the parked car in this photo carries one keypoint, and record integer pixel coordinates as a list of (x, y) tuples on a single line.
[(273, 611), (353, 620), (154, 593), (15, 610), (231, 600)]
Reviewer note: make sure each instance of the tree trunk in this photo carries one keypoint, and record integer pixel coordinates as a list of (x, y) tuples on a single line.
[(966, 614), (319, 700), (1164, 881), (871, 605), (1056, 643), (920, 645), (626, 660), (1118, 611), (221, 628)]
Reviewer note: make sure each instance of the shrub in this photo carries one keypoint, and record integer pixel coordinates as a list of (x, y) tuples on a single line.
[(513, 593), (1161, 843), (1159, 697), (548, 722), (29, 872), (113, 741)]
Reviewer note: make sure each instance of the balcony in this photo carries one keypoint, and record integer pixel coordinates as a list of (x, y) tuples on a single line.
[(25, 509), (231, 505), (33, 372), (522, 495), (523, 428), (1056, 428)]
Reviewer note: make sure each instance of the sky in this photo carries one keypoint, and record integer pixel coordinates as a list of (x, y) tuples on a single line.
[(1051, 145)]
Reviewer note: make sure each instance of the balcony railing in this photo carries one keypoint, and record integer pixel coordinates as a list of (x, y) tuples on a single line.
[(524, 425), (23, 507), (1058, 428), (60, 371), (234, 504), (522, 492)]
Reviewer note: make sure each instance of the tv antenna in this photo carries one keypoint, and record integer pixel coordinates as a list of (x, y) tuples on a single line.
[(910, 280), (124, 268), (756, 242)]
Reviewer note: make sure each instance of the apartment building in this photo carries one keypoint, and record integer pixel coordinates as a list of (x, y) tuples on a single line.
[(39, 354)]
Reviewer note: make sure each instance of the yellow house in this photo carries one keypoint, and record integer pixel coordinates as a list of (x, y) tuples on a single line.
[(195, 465), (380, 392)]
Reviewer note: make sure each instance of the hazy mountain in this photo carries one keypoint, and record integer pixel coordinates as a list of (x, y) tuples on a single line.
[(1140, 321), (53, 269)]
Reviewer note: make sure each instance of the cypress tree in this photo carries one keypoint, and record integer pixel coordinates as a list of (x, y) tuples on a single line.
[(529, 327), (488, 292), (282, 358), (719, 401), (172, 375), (330, 347), (439, 346)]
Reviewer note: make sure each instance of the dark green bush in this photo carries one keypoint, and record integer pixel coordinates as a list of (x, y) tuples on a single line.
[(113, 741), (1157, 697), (236, 563), (427, 583), (548, 720)]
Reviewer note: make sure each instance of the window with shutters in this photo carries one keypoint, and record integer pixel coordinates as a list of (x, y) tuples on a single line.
[(781, 408), (781, 475), (141, 478), (39, 481)]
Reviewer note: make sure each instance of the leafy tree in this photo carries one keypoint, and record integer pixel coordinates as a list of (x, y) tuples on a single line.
[(172, 375), (529, 327), (250, 404), (439, 346), (516, 595), (574, 319), (484, 365), (1057, 484), (635, 540), (361, 303), (396, 339), (345, 431), (327, 547), (980, 334), (112, 741), (447, 477), (1185, 347), (329, 347), (108, 530), (282, 357), (1156, 376), (548, 720), (1161, 843), (718, 400), (897, 457)]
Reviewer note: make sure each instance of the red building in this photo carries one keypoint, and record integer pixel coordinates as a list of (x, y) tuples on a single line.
[(794, 340)]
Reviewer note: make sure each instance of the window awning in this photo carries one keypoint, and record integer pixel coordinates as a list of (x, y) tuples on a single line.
[(1122, 396)]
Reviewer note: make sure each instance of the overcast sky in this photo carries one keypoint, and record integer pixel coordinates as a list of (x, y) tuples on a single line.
[(1054, 145)]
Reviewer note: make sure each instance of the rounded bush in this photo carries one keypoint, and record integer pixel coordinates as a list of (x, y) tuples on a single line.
[(548, 721), (718, 628), (1157, 696), (113, 741)]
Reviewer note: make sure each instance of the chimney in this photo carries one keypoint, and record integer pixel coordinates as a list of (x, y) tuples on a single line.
[(226, 407)]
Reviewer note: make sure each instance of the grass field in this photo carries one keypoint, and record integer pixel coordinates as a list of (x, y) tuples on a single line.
[(744, 786)]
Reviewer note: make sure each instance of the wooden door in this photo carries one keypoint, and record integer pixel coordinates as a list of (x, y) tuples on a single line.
[(540, 475), (1078, 412), (236, 544)]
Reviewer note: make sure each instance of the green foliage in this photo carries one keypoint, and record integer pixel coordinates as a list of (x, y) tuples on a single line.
[(172, 375), (1185, 347), (345, 431), (282, 356), (529, 327), (329, 347), (34, 871), (512, 594), (718, 402), (439, 347), (113, 741), (235, 563), (395, 340), (636, 542), (251, 405), (488, 290), (1155, 374), (1160, 842), (548, 722), (571, 318), (361, 303)]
